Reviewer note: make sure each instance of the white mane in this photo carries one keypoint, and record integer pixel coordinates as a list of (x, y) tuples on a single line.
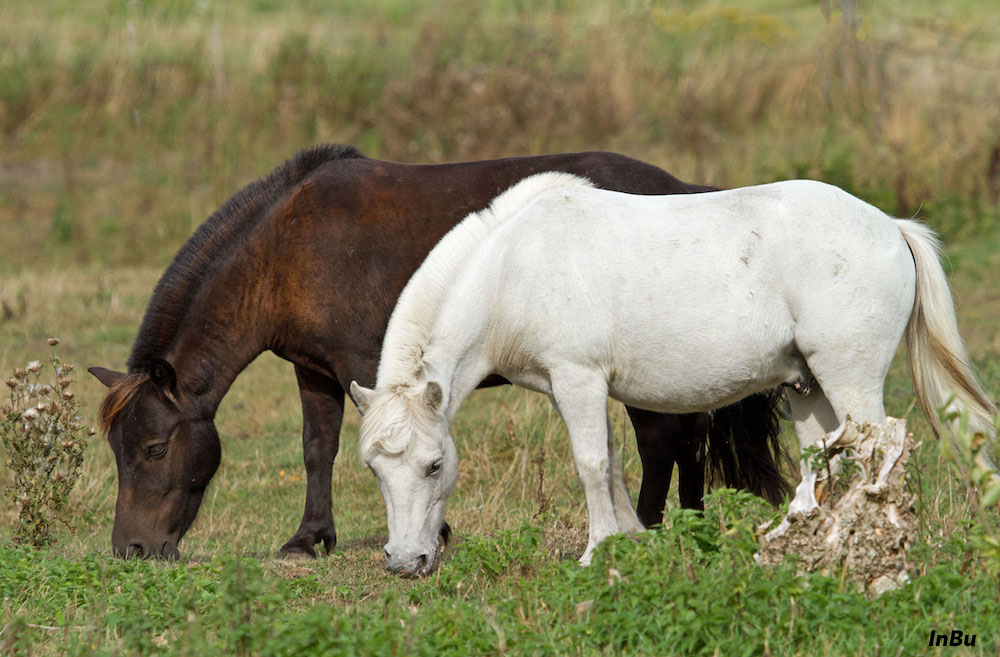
[(411, 322)]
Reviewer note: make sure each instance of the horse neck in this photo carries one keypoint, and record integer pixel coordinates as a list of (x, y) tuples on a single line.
[(458, 356), (221, 334)]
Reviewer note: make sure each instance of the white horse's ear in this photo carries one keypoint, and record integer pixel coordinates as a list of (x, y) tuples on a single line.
[(361, 397), (433, 396)]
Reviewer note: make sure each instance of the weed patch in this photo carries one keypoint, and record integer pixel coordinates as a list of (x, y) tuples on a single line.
[(44, 438)]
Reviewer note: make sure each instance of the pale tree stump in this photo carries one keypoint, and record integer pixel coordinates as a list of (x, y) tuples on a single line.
[(864, 527)]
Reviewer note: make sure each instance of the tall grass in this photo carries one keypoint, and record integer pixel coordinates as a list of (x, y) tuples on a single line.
[(125, 124)]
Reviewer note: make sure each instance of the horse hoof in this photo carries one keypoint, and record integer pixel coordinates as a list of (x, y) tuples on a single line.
[(301, 545), (290, 551)]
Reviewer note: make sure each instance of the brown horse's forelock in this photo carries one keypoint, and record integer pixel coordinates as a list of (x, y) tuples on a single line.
[(118, 397)]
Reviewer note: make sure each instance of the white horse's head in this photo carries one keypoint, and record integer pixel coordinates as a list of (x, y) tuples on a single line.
[(405, 442)]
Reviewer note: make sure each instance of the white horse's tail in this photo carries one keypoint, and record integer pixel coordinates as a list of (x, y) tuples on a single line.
[(938, 360)]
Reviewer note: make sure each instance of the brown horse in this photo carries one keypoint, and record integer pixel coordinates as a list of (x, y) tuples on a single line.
[(308, 264)]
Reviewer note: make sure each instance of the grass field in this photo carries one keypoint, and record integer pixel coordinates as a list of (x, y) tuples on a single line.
[(125, 124)]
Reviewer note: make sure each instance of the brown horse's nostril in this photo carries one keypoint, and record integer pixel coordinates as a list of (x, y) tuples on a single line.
[(135, 550)]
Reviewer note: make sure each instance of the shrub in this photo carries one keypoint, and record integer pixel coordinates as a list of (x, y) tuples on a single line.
[(44, 440)]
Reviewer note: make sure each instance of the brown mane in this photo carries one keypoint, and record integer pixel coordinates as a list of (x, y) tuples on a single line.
[(119, 395)]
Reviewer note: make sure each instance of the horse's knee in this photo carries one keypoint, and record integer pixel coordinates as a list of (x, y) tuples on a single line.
[(316, 457), (592, 469)]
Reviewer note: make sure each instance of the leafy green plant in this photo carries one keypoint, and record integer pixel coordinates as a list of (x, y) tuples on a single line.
[(512, 552), (841, 472), (44, 439), (970, 458)]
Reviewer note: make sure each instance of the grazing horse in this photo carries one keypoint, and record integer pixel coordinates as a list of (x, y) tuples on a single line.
[(308, 264), (673, 304)]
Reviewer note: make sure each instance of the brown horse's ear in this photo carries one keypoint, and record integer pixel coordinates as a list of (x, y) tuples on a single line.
[(433, 396), (106, 376), (162, 374), (361, 397)]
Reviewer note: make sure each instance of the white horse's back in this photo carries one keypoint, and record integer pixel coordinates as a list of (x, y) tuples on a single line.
[(692, 302)]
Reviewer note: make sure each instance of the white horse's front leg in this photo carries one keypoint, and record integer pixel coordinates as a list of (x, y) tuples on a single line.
[(582, 402)]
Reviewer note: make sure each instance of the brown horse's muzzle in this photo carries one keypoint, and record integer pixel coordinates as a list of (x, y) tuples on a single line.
[(130, 543), (142, 533), (138, 549)]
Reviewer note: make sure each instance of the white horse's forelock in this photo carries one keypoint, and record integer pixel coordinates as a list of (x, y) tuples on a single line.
[(392, 421), (409, 328)]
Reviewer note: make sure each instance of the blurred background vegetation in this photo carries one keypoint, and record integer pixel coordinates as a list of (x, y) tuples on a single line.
[(125, 123)]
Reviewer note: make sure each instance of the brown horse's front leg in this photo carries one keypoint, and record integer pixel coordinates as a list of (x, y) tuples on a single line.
[(663, 440), (322, 412)]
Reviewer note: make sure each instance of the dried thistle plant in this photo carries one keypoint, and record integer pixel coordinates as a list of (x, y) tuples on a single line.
[(44, 440)]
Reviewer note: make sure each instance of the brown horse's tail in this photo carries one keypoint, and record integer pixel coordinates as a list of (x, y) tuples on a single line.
[(743, 447)]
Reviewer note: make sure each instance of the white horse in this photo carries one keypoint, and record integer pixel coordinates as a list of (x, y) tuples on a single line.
[(674, 304)]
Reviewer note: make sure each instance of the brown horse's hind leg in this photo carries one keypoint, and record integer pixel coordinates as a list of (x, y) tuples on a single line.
[(663, 440), (689, 436), (322, 412)]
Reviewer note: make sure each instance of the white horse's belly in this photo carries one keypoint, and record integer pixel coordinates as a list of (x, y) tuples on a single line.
[(695, 357), (676, 388), (685, 375)]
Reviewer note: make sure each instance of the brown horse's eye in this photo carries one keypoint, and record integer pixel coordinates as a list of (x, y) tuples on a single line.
[(156, 451)]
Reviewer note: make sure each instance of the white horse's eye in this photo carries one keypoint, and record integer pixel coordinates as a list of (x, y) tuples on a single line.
[(434, 468)]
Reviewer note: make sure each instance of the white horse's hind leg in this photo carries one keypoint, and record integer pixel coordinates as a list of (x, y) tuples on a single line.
[(627, 519), (849, 387), (814, 417), (581, 399), (815, 422)]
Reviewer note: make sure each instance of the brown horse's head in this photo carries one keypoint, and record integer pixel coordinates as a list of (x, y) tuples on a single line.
[(166, 454)]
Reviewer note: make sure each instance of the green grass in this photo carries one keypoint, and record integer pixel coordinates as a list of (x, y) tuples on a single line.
[(125, 124), (692, 588)]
